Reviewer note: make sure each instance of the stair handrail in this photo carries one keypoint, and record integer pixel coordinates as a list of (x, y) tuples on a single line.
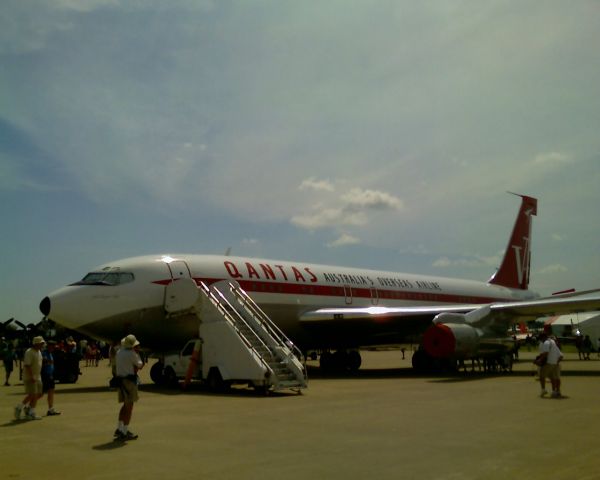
[(272, 352), (227, 315), (266, 322)]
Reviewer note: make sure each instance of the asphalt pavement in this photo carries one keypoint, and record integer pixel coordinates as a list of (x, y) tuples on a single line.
[(383, 422)]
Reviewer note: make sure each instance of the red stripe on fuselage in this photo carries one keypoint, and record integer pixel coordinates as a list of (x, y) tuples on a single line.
[(345, 292)]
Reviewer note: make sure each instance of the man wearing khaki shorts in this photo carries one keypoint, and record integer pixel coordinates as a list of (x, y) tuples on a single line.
[(128, 363), (550, 351), (32, 379)]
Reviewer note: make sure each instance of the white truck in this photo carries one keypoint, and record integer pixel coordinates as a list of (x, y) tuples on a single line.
[(170, 369), (217, 368), (217, 373)]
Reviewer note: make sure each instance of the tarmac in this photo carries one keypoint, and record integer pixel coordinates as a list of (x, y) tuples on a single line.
[(382, 422)]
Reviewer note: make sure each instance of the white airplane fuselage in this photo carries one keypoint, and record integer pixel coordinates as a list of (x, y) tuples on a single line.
[(129, 296)]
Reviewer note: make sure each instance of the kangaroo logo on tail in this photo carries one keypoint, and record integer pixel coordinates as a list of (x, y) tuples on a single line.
[(514, 269)]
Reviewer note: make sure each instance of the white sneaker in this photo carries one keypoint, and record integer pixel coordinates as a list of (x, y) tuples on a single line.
[(543, 393), (32, 416), (18, 410)]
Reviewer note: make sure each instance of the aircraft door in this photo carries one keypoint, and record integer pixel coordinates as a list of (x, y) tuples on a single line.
[(179, 269), (374, 296), (182, 292), (348, 294)]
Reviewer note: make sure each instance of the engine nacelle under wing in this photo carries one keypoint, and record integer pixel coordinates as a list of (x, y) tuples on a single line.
[(460, 336), (452, 340)]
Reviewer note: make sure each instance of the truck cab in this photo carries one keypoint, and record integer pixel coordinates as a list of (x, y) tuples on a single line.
[(175, 366)]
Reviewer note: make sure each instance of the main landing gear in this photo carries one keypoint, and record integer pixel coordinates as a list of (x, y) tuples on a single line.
[(340, 361)]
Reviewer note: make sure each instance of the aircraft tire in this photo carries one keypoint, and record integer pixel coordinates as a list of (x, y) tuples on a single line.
[(421, 362), (326, 362), (340, 360), (353, 360)]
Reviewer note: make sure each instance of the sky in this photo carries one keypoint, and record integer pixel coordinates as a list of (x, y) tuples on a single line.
[(372, 134)]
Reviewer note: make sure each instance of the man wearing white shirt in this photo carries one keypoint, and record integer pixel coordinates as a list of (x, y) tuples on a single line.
[(32, 379), (128, 363), (550, 351)]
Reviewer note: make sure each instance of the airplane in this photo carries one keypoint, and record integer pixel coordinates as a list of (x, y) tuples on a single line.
[(322, 308)]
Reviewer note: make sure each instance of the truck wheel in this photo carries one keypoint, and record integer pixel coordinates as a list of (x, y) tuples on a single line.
[(215, 380), (156, 373), (170, 377), (261, 389)]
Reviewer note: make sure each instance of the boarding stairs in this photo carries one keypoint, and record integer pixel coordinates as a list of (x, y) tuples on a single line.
[(245, 327), (259, 333)]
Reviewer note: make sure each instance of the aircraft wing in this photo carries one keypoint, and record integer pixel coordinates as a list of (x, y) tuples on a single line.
[(545, 307), (401, 323), (378, 314), (345, 327)]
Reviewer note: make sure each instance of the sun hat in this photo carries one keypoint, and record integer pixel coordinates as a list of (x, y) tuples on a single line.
[(129, 341)]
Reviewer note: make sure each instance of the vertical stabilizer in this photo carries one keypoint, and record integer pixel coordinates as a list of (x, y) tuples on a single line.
[(514, 270)]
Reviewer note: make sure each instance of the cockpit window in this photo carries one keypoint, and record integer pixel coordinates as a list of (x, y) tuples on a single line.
[(93, 278), (109, 278)]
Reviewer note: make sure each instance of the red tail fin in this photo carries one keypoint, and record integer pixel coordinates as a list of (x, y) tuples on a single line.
[(514, 270)]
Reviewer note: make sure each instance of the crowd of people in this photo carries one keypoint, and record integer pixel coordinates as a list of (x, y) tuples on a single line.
[(38, 370), (38, 373)]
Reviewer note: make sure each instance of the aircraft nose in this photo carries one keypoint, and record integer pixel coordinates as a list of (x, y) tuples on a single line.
[(45, 306)]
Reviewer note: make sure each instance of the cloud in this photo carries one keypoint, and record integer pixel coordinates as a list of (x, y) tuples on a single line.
[(371, 199), (27, 27), (329, 217), (468, 262), (553, 159), (256, 111), (344, 240), (314, 184), (352, 208), (555, 268), (418, 249)]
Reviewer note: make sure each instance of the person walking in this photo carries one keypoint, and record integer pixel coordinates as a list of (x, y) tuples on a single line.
[(32, 379), (48, 383), (8, 356), (550, 351), (128, 363)]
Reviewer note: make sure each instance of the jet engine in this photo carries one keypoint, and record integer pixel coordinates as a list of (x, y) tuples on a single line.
[(452, 340), (461, 336)]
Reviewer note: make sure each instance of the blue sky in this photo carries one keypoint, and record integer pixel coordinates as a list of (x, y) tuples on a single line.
[(362, 133)]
